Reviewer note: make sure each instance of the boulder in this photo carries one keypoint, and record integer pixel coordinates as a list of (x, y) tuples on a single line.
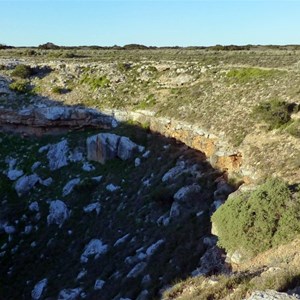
[(185, 192), (93, 207), (76, 156), (35, 166), (14, 174), (26, 183), (34, 206), (58, 213), (99, 284), (46, 182), (94, 248), (57, 155), (137, 270), (236, 257), (9, 229), (137, 162), (102, 147), (121, 240), (69, 294), (126, 148), (212, 261), (185, 200), (88, 167), (154, 247), (81, 274), (68, 188), (38, 289), (174, 172), (112, 188), (105, 146)]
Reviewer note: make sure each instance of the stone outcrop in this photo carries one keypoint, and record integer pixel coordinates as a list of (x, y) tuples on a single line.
[(219, 153), (53, 119), (105, 146)]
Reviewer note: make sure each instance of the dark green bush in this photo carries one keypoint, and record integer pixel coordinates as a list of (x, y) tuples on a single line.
[(22, 71), (256, 221), (274, 112), (20, 86)]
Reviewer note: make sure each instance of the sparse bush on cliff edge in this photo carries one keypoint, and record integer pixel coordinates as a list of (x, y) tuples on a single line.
[(22, 71), (274, 112), (256, 221)]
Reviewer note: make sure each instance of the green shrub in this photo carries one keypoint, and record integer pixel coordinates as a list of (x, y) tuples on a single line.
[(20, 86), (95, 82), (22, 71), (256, 221), (247, 74), (274, 112)]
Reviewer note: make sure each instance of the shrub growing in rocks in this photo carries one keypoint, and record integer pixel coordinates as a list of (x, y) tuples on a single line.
[(22, 71), (256, 221)]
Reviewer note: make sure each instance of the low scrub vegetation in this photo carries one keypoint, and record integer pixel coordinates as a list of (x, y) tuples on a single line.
[(247, 74), (238, 285), (255, 221), (275, 113), (95, 82), (20, 86), (22, 71)]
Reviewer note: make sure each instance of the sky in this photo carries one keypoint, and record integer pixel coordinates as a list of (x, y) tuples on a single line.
[(149, 22)]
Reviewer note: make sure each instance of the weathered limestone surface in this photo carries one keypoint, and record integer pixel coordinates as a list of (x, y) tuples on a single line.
[(219, 153), (40, 120)]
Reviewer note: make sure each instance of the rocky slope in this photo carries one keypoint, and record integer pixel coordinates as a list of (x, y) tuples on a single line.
[(117, 204), (101, 216)]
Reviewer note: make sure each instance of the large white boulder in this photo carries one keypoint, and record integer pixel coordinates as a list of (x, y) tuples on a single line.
[(102, 147), (105, 146), (58, 213), (57, 155)]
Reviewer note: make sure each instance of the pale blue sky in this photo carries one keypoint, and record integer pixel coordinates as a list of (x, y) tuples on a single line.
[(157, 23)]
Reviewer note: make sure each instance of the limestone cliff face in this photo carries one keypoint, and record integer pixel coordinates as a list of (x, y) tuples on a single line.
[(50, 119), (219, 153)]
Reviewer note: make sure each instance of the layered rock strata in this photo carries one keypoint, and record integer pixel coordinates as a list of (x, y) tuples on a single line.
[(53, 119)]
